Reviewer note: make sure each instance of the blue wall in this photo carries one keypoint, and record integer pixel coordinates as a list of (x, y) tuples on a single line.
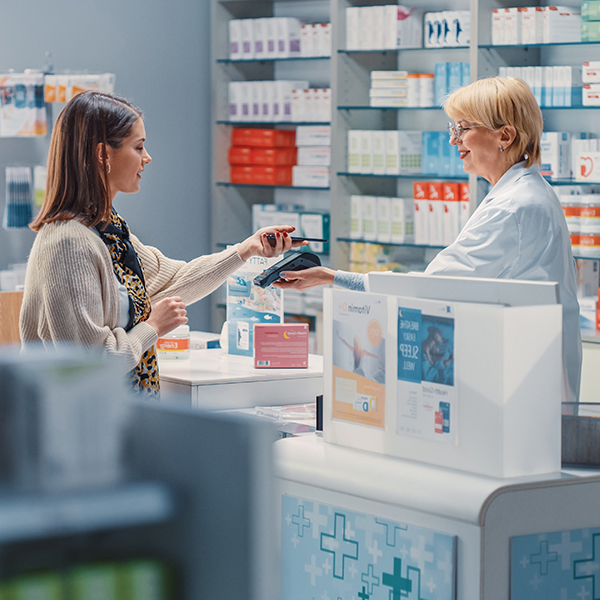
[(159, 51)]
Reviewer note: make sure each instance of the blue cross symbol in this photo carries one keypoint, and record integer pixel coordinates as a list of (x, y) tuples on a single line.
[(338, 545), (363, 595), (399, 585), (301, 521), (543, 558), (590, 568), (370, 579), (390, 531)]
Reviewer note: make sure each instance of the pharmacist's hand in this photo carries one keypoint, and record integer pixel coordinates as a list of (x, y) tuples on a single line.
[(167, 314), (305, 279), (260, 245)]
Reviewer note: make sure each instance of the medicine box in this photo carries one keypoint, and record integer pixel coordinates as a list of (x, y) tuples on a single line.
[(589, 167), (310, 176), (590, 10), (270, 138), (402, 221), (281, 346), (314, 156), (369, 217), (591, 72), (356, 217), (384, 213), (556, 154), (313, 135)]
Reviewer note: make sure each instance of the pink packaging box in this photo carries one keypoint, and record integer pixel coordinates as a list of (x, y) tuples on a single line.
[(281, 346)]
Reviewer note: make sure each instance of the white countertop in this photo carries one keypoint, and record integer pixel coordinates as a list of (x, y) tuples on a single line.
[(215, 366)]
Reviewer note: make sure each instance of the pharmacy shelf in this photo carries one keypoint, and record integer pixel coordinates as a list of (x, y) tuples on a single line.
[(385, 50), (586, 257), (404, 245), (569, 181), (416, 177), (389, 108), (270, 60), (35, 515), (255, 185), (495, 46), (273, 123)]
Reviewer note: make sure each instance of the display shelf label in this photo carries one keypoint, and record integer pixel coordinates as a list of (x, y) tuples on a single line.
[(331, 553), (426, 391), (561, 565), (358, 357)]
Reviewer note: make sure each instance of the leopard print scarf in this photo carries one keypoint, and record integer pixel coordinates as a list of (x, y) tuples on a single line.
[(130, 272)]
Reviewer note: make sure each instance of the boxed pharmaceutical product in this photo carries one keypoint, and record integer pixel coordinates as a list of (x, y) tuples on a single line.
[(421, 211), (556, 154), (390, 27), (271, 37), (260, 38), (356, 217), (366, 151), (378, 139), (432, 30), (498, 26), (369, 217), (282, 105), (288, 38), (465, 208), (591, 72), (353, 19), (281, 346), (235, 39), (532, 25), (367, 28), (248, 304), (354, 141), (310, 176), (587, 311), (409, 152), (410, 27), (300, 108), (247, 27), (445, 163), (392, 155), (588, 278), (307, 41), (562, 24), (384, 214), (590, 10), (451, 219), (430, 151), (402, 221), (589, 166), (315, 225), (548, 86), (313, 135), (378, 35), (436, 214), (314, 156), (512, 26), (440, 82), (323, 42), (591, 94)]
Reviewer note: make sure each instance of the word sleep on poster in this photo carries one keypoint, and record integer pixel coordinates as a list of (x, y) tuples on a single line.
[(426, 391), (358, 356)]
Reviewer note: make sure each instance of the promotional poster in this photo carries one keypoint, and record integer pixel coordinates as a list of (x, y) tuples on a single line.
[(426, 392), (358, 344)]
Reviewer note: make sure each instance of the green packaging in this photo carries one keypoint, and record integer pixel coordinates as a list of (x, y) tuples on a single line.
[(34, 587), (92, 582), (590, 31), (590, 10), (145, 580)]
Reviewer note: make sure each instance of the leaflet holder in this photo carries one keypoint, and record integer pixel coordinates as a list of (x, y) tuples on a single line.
[(460, 373)]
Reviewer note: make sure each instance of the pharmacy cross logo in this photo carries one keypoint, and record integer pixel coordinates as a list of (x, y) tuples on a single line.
[(543, 558), (300, 521), (399, 585), (370, 579), (338, 545), (590, 568)]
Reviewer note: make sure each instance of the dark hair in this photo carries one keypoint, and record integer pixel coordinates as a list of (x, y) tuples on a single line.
[(75, 185)]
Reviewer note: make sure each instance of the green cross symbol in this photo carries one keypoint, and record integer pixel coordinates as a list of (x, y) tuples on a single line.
[(399, 585), (338, 545)]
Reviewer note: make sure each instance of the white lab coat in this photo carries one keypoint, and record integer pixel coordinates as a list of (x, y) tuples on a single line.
[(519, 232)]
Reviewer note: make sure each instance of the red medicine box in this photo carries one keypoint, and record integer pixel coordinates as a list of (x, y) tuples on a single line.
[(264, 138), (281, 346)]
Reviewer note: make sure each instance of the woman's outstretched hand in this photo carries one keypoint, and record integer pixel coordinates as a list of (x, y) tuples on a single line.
[(260, 245), (167, 314), (305, 279)]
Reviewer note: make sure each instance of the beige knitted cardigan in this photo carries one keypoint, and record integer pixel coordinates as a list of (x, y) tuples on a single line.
[(71, 292)]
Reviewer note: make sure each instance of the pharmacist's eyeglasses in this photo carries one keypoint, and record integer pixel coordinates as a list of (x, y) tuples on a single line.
[(458, 130)]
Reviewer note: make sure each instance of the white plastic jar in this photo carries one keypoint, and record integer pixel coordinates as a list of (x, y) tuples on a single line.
[(175, 345)]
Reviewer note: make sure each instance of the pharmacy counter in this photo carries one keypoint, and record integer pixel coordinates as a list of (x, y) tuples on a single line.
[(361, 525), (214, 380)]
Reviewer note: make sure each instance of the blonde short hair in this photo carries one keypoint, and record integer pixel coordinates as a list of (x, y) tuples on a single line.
[(498, 101)]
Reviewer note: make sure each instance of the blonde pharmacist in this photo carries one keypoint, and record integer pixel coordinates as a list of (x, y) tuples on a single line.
[(518, 231), (91, 282)]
